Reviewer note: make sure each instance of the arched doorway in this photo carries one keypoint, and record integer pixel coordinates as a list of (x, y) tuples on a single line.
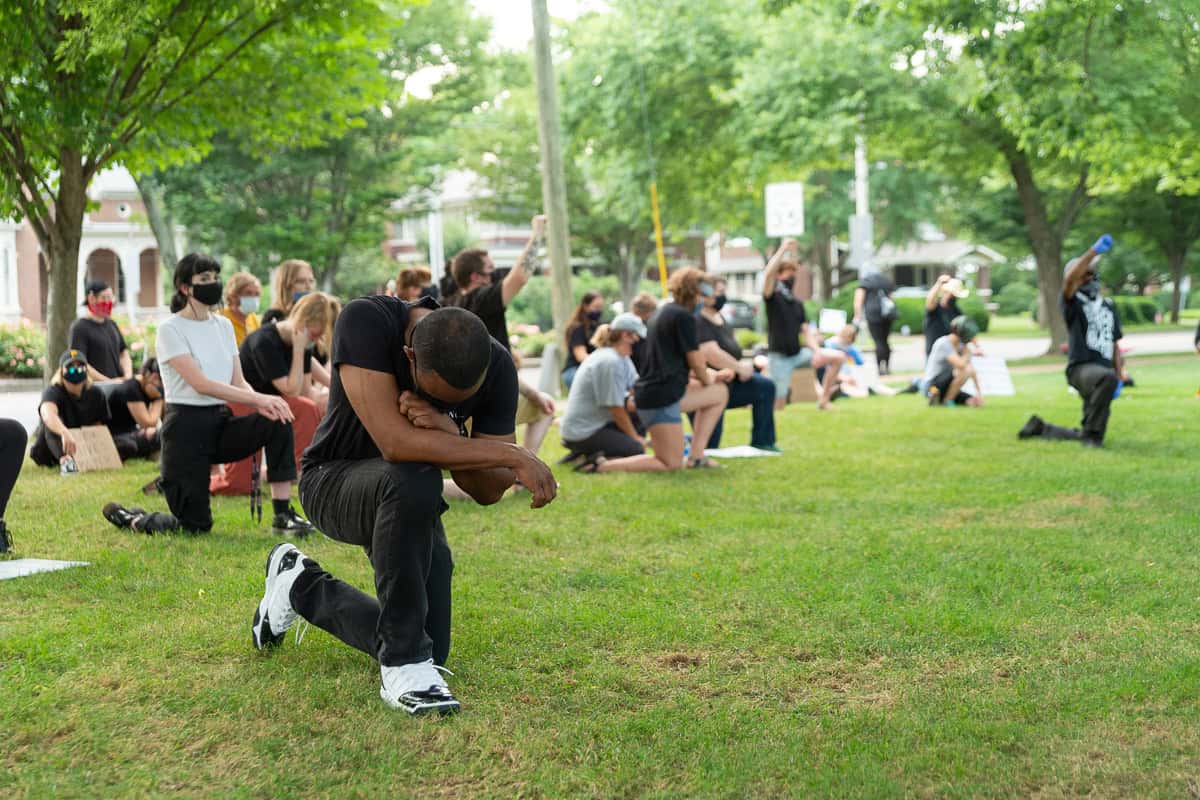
[(148, 271), (104, 265)]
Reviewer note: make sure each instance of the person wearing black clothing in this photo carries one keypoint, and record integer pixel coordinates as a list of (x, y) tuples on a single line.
[(70, 401), (873, 303), (1095, 367), (786, 321), (12, 454), (406, 379), (99, 338), (746, 387), (941, 307), (645, 306), (198, 358), (580, 330), (135, 407)]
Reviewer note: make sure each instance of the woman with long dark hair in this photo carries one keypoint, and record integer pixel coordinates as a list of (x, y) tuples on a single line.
[(579, 333), (198, 356)]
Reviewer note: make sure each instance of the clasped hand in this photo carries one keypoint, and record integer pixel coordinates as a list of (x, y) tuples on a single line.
[(423, 415)]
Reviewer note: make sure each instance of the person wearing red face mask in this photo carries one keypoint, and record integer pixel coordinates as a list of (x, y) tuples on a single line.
[(97, 336)]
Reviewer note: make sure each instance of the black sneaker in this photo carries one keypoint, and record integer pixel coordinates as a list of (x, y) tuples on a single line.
[(289, 523), (5, 538), (1033, 427), (121, 516)]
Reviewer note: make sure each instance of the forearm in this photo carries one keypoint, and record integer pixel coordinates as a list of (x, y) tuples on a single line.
[(1074, 277), (53, 422), (226, 392), (717, 358), (621, 418), (404, 443), (859, 294), (126, 365), (486, 486), (295, 378), (698, 367)]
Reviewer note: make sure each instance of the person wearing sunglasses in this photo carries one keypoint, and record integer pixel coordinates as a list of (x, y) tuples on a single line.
[(1095, 367), (70, 401)]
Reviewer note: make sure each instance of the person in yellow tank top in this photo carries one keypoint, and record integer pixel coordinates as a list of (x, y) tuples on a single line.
[(241, 304)]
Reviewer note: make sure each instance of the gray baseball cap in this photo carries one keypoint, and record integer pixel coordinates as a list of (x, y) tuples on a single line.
[(628, 322)]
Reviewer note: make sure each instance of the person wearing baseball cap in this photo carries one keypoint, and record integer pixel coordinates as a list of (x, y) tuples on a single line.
[(949, 366), (96, 334), (70, 401), (597, 421), (1095, 367)]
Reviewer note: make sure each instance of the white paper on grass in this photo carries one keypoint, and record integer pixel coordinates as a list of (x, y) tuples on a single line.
[(993, 374), (742, 451), (832, 320), (20, 567)]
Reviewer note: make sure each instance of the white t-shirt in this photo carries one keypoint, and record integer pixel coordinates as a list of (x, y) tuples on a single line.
[(211, 345)]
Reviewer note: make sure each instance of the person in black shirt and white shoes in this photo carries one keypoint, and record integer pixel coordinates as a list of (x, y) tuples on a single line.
[(198, 357), (1095, 367), (406, 379)]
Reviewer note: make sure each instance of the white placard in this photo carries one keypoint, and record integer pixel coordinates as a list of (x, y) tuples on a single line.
[(832, 320), (993, 374), (785, 209), (21, 567)]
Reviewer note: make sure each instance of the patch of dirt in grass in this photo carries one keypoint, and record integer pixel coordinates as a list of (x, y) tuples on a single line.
[(1050, 512), (679, 660)]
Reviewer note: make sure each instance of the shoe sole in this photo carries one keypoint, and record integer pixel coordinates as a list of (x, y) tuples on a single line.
[(261, 622), (442, 708)]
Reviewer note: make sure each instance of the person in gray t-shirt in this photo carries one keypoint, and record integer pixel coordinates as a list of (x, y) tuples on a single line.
[(597, 420), (948, 366)]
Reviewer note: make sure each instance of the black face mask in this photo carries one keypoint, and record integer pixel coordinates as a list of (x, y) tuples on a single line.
[(430, 292), (595, 316), (207, 293), (787, 284), (75, 375), (1091, 289), (719, 302)]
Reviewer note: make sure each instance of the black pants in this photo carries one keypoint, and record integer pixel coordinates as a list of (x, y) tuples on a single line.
[(943, 381), (1095, 384), (196, 437), (12, 454), (393, 511), (609, 440), (133, 444), (883, 351)]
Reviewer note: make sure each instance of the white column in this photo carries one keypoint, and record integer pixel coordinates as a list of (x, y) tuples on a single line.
[(81, 276), (131, 266)]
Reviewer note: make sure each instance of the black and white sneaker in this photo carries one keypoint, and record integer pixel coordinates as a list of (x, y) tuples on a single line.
[(275, 615), (289, 523), (121, 516), (417, 688)]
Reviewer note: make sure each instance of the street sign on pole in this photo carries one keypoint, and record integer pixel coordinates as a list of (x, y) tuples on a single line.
[(785, 209)]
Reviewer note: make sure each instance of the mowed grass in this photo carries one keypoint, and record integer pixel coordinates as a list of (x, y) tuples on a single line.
[(909, 602)]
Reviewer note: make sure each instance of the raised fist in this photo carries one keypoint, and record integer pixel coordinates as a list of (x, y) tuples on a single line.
[(1103, 244)]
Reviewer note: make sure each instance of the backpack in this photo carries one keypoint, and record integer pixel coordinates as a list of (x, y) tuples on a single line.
[(887, 307)]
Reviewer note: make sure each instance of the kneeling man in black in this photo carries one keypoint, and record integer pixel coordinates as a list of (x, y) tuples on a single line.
[(405, 380)]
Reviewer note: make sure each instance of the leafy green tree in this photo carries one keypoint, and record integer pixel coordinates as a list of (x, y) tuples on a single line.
[(89, 83), (328, 202)]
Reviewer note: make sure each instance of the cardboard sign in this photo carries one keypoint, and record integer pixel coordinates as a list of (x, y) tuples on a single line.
[(785, 209), (803, 386), (832, 320), (96, 449), (993, 374)]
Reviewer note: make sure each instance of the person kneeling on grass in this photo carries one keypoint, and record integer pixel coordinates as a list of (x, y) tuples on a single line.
[(597, 421), (1095, 366), (406, 381), (664, 393), (198, 357), (136, 408), (949, 366)]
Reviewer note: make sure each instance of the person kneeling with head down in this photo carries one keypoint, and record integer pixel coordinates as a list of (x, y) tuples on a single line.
[(949, 366), (201, 373), (70, 401), (597, 421), (136, 408), (406, 380)]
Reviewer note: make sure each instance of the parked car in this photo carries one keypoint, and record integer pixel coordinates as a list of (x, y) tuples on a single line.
[(739, 313)]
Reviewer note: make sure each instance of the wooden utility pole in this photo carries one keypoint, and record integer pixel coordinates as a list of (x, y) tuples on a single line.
[(554, 185)]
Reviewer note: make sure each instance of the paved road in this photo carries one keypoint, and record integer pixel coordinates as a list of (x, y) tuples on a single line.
[(908, 355)]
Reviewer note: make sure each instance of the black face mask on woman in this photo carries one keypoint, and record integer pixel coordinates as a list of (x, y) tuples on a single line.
[(207, 293), (595, 316), (719, 302)]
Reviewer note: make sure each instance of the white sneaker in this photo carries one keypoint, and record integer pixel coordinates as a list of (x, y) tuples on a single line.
[(417, 688), (275, 614)]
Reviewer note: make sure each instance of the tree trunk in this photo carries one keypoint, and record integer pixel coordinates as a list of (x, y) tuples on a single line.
[(64, 257), (159, 217), (1047, 248), (630, 274), (1176, 258), (823, 277)]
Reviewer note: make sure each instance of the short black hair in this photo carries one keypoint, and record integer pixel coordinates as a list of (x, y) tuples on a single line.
[(150, 366), (455, 344)]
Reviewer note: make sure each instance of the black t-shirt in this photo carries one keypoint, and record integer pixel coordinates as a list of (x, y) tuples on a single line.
[(671, 336), (370, 334), (785, 317), (90, 408), (487, 303), (266, 357), (1093, 330), (640, 354), (580, 336), (272, 315), (709, 331), (101, 342), (124, 393), (937, 322)]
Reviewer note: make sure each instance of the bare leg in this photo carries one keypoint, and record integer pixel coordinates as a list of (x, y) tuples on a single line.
[(535, 432), (831, 360), (708, 402), (667, 441)]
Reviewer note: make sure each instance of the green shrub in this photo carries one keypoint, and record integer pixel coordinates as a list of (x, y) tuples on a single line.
[(22, 350), (532, 345), (1135, 310), (910, 311), (140, 340), (1015, 298), (747, 339)]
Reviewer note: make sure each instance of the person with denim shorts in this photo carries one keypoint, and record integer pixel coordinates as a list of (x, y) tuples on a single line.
[(785, 321)]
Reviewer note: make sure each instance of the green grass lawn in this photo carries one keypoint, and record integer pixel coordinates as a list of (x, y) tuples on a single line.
[(909, 602)]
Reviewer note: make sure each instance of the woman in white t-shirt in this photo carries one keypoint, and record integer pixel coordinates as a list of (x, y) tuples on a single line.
[(201, 372)]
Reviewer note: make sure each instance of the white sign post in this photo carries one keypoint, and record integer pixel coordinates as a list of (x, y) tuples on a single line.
[(785, 209)]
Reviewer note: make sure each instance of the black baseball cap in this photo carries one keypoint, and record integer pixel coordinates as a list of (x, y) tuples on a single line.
[(72, 355), (93, 287)]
